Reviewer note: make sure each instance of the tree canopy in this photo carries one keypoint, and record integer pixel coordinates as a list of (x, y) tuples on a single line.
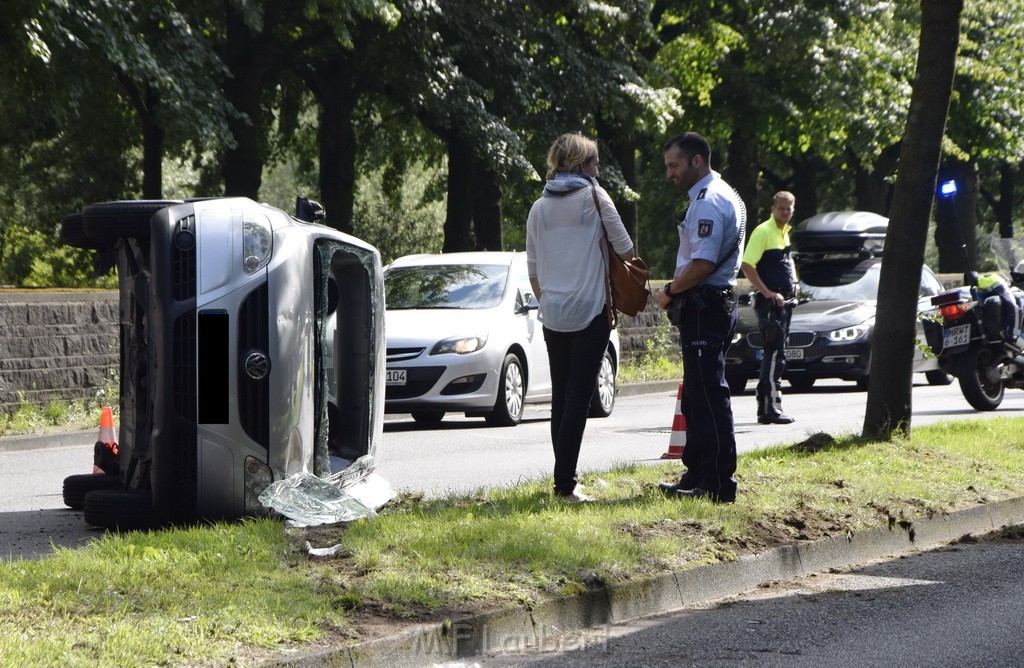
[(448, 107)]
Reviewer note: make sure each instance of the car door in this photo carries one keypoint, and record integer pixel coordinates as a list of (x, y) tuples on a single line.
[(530, 329)]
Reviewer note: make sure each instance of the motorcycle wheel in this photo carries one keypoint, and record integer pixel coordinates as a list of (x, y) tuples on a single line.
[(981, 391)]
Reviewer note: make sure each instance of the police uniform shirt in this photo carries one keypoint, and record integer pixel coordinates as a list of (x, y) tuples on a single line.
[(767, 251), (710, 228)]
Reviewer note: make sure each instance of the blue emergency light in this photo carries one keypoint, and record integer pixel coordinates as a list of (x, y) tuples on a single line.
[(947, 189)]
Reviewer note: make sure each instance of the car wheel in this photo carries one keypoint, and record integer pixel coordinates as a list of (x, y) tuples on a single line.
[(938, 377), (119, 509), (72, 233), (77, 486), (428, 418), (106, 222), (982, 392), (603, 401), (737, 384), (508, 407), (802, 383)]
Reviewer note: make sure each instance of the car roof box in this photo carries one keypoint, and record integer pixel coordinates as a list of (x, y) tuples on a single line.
[(841, 232)]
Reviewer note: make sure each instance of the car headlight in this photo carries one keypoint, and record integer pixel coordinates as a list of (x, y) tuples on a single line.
[(848, 333), (459, 346), (257, 244)]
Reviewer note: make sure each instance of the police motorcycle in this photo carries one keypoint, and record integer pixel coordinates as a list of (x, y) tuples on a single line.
[(977, 334)]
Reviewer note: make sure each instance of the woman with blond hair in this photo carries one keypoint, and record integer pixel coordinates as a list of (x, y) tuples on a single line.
[(567, 264)]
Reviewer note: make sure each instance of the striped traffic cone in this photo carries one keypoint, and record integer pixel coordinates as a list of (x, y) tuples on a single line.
[(677, 441), (104, 456)]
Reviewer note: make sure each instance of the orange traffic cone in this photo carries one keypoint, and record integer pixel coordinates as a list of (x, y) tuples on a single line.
[(677, 441), (105, 452)]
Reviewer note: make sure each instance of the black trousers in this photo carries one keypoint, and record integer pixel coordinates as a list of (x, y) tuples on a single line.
[(575, 359), (773, 323), (710, 452)]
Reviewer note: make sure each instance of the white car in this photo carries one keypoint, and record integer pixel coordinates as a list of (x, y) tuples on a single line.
[(464, 335)]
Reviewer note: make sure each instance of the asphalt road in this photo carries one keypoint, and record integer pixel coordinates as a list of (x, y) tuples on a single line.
[(956, 606), (638, 430), (463, 455)]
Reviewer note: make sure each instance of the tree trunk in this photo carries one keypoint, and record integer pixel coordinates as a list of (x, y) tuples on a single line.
[(873, 189), (152, 159), (486, 193), (888, 410), (337, 143), (956, 219), (743, 169), (145, 101), (622, 144), (460, 195), (1002, 206), (244, 85), (806, 171)]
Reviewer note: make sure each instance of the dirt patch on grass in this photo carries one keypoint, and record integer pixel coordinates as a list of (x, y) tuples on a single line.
[(367, 620)]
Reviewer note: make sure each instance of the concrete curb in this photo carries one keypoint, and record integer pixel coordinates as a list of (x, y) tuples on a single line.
[(524, 629), (57, 439)]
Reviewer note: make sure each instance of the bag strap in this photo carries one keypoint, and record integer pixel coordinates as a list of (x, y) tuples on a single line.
[(613, 318)]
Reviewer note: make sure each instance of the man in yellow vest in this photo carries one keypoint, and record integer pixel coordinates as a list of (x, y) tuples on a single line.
[(768, 266)]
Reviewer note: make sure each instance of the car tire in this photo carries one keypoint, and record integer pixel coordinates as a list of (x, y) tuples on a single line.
[(119, 509), (981, 394), (106, 222), (78, 485), (603, 401), (737, 384), (938, 377), (802, 383), (508, 407), (428, 418), (72, 233)]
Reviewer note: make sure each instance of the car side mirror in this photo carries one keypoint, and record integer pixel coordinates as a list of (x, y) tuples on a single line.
[(528, 303), (309, 210)]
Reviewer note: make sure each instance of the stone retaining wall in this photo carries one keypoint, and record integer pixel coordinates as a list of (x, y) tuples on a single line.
[(56, 345)]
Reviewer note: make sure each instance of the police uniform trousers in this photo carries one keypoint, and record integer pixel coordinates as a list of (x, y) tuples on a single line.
[(773, 323), (710, 453)]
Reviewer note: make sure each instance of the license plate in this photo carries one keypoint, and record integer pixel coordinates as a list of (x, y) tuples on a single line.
[(394, 377), (956, 336), (790, 353)]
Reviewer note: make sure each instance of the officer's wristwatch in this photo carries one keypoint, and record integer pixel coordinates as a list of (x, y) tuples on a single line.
[(668, 290)]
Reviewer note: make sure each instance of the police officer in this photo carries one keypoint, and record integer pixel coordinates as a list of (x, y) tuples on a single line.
[(710, 236), (768, 266)]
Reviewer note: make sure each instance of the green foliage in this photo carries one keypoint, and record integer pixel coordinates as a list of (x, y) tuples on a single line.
[(396, 212), (29, 258)]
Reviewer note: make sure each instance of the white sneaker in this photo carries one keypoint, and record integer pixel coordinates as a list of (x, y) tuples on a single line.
[(576, 497)]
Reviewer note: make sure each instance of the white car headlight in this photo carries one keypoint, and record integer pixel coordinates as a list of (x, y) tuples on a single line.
[(848, 333), (257, 244), (459, 346)]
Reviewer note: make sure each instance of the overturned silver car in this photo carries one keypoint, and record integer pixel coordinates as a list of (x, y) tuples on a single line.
[(251, 350)]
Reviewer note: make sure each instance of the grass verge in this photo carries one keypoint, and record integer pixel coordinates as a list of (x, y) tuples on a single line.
[(235, 593)]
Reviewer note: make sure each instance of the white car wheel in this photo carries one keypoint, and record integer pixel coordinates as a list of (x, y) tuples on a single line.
[(604, 395), (508, 407)]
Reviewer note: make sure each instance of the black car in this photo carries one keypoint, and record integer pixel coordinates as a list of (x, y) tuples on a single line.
[(837, 258)]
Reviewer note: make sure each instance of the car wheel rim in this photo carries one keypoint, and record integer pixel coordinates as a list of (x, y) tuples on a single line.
[(513, 390), (606, 383)]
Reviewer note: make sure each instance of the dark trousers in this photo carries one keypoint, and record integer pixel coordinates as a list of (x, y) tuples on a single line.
[(710, 452), (574, 358), (773, 323)]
